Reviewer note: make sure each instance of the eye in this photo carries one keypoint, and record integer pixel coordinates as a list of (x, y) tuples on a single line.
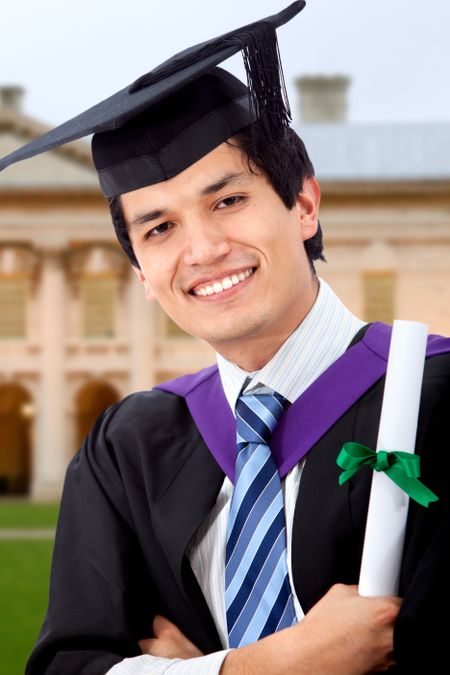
[(158, 230), (229, 201)]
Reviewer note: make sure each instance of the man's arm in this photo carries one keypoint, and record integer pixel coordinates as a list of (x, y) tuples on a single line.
[(343, 633)]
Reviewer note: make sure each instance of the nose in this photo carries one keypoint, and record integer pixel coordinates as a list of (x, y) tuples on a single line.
[(205, 243)]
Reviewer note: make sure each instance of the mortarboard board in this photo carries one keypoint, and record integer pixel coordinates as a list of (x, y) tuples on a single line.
[(172, 116)]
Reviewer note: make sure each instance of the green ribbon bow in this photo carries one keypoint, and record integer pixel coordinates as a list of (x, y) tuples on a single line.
[(402, 467)]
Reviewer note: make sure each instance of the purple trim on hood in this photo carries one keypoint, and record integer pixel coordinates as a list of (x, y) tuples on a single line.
[(309, 417)]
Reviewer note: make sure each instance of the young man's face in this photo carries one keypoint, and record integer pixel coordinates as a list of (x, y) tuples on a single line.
[(223, 255)]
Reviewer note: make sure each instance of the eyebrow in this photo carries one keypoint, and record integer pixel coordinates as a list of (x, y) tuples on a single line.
[(224, 181), (148, 217), (212, 188)]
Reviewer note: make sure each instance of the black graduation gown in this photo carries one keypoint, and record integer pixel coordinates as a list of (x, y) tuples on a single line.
[(143, 482)]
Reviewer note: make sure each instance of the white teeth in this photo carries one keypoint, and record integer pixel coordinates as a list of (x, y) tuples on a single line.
[(224, 284)]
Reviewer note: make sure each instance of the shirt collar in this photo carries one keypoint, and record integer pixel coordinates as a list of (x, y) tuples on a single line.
[(323, 336)]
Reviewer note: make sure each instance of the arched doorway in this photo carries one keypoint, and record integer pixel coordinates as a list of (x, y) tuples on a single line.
[(15, 439), (91, 401)]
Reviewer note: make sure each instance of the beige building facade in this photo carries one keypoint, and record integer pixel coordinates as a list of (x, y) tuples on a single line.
[(76, 334)]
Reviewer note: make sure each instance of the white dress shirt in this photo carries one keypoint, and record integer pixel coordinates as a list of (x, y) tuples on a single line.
[(319, 340)]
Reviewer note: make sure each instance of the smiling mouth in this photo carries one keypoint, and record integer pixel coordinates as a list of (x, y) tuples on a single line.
[(224, 284)]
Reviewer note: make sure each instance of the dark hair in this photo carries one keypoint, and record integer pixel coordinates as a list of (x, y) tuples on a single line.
[(286, 164), (121, 229)]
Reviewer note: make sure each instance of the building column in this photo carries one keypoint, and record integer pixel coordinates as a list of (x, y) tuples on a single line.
[(142, 338), (50, 456)]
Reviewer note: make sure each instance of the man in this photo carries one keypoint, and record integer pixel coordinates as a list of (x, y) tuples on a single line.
[(215, 202)]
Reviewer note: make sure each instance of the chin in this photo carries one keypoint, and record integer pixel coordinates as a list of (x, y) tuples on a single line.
[(229, 335)]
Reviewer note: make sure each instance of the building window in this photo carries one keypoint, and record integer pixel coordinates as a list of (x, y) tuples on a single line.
[(379, 296), (98, 302), (13, 308)]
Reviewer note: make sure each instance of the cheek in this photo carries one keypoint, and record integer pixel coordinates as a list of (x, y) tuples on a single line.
[(159, 278)]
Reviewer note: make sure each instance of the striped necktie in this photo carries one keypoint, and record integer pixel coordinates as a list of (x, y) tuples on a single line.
[(258, 595)]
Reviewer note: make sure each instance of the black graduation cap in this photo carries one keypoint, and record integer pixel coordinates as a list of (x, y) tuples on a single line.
[(175, 114)]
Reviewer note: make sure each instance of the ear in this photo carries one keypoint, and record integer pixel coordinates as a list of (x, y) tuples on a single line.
[(307, 204), (149, 295)]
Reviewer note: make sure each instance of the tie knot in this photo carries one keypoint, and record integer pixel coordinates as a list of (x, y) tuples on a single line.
[(257, 416)]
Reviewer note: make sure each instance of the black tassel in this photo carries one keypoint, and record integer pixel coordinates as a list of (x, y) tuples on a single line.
[(267, 88)]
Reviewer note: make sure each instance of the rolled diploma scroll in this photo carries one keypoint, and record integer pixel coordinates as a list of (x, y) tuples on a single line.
[(388, 504)]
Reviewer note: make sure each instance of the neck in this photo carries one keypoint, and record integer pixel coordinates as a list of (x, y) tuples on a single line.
[(255, 355), (253, 352)]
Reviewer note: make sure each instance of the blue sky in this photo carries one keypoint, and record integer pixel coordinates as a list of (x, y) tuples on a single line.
[(70, 54)]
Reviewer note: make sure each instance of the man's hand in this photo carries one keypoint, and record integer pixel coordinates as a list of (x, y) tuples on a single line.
[(343, 633), (168, 642), (360, 630)]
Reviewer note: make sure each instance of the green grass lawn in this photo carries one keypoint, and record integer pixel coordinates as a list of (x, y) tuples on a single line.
[(22, 513), (24, 576)]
